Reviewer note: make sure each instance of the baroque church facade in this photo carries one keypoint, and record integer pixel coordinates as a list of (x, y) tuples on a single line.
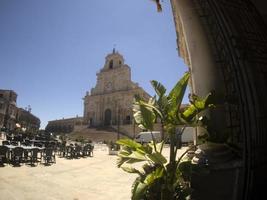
[(110, 101)]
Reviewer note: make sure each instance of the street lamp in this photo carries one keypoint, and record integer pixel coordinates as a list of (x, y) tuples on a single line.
[(118, 128), (133, 127)]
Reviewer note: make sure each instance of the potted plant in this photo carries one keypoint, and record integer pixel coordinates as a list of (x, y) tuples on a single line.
[(113, 148), (159, 178)]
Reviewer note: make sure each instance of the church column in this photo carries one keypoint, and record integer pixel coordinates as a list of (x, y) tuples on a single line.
[(195, 47)]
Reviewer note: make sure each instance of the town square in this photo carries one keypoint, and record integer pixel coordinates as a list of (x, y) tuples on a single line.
[(133, 99)]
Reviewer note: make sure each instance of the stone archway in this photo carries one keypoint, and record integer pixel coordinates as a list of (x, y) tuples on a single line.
[(224, 43), (107, 121)]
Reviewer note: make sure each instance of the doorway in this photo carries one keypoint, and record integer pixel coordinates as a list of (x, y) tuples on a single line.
[(107, 117)]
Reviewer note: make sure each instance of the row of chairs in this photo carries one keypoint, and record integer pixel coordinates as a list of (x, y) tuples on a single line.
[(75, 151), (19, 155), (20, 137), (30, 143)]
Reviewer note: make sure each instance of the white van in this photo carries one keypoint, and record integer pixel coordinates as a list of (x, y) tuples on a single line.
[(188, 134), (146, 137)]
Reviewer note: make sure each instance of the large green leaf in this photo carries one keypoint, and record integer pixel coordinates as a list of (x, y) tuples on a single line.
[(158, 87), (131, 152), (128, 159), (132, 161), (129, 143), (124, 153), (154, 175), (144, 115), (145, 149), (177, 93), (153, 106), (121, 161), (162, 103), (159, 145), (138, 190), (157, 158), (137, 156), (197, 105), (175, 97), (130, 169), (140, 187)]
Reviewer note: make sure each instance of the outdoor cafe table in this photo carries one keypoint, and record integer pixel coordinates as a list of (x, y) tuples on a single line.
[(27, 148), (24, 147)]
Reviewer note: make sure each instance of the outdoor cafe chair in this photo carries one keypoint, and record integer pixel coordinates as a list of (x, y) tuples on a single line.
[(87, 150), (25, 155), (31, 137), (69, 151), (38, 144), (17, 155), (9, 137), (77, 151), (14, 143), (91, 149), (61, 150), (3, 154), (17, 138), (5, 142), (24, 143), (27, 142), (49, 156), (33, 156)]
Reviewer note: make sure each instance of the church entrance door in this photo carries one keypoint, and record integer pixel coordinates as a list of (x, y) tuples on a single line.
[(107, 117)]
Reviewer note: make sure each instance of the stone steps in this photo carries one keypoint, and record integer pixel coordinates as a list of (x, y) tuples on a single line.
[(96, 134)]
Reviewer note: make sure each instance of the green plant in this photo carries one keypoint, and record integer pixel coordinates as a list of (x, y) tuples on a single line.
[(160, 178), (159, 7), (113, 146)]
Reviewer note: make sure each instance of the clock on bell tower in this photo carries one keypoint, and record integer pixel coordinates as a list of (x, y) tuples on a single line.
[(108, 86)]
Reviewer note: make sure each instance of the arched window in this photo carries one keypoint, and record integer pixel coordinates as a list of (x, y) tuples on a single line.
[(111, 64), (128, 119)]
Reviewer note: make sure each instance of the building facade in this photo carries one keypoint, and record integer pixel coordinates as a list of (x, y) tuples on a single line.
[(10, 114), (27, 120), (8, 109), (110, 101), (224, 43), (64, 125)]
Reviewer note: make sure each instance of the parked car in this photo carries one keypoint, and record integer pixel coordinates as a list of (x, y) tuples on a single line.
[(146, 137), (186, 138), (188, 135)]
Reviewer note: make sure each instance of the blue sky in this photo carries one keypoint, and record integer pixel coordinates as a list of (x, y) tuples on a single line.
[(51, 50)]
